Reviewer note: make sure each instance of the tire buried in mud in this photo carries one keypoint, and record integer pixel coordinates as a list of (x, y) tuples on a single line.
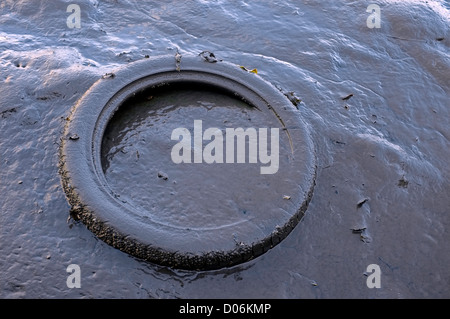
[(225, 214)]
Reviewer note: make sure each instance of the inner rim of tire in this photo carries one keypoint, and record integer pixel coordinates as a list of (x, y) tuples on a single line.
[(137, 164)]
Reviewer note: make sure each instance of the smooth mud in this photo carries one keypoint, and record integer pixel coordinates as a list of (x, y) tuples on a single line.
[(374, 99), (139, 167)]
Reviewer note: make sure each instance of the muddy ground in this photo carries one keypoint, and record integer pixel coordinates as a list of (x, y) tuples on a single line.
[(375, 99)]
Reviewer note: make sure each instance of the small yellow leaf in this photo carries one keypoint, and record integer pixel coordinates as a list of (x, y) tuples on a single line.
[(251, 71)]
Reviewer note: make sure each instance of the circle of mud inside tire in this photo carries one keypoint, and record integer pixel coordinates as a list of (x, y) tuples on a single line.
[(265, 216)]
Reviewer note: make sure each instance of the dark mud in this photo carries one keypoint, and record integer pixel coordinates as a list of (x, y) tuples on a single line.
[(381, 194)]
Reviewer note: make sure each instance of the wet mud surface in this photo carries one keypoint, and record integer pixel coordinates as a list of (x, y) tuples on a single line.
[(376, 102), (138, 162)]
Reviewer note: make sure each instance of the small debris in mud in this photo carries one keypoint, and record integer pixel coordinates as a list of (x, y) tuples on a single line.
[(402, 182), (146, 56), (178, 57), (123, 53), (346, 107), (440, 39), (237, 242), (363, 236), (338, 142), (347, 97), (74, 137), (286, 197), (163, 175), (209, 56), (358, 229), (108, 75), (293, 98), (248, 70), (6, 113), (20, 182), (49, 96), (361, 202)]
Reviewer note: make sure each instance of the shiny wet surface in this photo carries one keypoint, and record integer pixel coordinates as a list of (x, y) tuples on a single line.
[(138, 163), (382, 154)]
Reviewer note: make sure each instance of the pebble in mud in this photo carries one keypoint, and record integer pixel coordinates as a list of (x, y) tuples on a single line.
[(361, 202), (74, 137), (403, 182), (163, 175)]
